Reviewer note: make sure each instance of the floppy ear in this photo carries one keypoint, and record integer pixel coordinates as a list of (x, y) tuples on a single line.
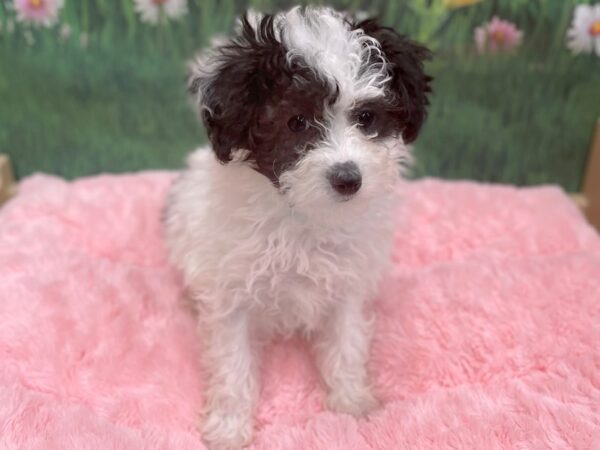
[(232, 79), (409, 82)]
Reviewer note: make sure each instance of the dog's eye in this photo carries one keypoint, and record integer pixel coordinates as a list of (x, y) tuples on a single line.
[(297, 123), (365, 119)]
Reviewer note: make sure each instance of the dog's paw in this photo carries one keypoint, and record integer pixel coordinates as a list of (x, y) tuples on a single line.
[(226, 430), (356, 402)]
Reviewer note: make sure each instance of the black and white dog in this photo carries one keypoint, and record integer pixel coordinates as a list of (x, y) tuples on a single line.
[(286, 226)]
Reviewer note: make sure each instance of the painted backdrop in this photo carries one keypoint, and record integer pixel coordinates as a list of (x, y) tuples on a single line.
[(88, 86)]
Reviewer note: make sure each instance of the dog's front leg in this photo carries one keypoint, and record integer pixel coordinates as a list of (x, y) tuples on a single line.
[(232, 388), (342, 349)]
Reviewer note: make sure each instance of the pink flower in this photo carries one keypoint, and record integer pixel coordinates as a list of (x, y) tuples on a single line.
[(41, 12), (497, 35)]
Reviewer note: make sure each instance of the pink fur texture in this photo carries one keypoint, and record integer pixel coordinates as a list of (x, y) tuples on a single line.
[(487, 330)]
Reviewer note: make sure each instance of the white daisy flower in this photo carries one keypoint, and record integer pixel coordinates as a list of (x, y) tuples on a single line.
[(153, 11), (584, 34)]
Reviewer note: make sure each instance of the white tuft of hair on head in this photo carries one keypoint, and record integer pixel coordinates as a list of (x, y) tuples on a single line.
[(323, 40)]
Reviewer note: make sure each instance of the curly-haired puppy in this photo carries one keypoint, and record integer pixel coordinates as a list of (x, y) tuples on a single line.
[(286, 225)]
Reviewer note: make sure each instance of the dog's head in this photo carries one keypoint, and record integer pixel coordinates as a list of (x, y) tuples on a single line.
[(320, 104)]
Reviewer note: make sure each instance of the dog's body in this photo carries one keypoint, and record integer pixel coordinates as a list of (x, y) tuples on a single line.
[(283, 269), (286, 225)]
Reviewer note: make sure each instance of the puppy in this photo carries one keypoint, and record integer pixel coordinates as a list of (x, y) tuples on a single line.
[(285, 224)]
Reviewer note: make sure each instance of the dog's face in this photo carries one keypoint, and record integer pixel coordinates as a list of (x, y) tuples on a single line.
[(321, 105)]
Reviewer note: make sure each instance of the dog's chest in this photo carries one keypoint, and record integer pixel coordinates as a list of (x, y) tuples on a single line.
[(296, 287)]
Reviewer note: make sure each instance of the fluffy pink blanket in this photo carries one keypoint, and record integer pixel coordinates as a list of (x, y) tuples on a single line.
[(487, 333)]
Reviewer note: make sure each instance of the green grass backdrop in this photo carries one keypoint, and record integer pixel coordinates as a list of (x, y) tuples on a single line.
[(111, 96)]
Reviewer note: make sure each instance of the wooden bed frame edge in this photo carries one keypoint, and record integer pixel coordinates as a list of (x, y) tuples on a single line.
[(8, 186), (591, 181)]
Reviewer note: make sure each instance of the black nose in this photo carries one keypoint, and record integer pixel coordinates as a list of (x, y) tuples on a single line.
[(345, 178)]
